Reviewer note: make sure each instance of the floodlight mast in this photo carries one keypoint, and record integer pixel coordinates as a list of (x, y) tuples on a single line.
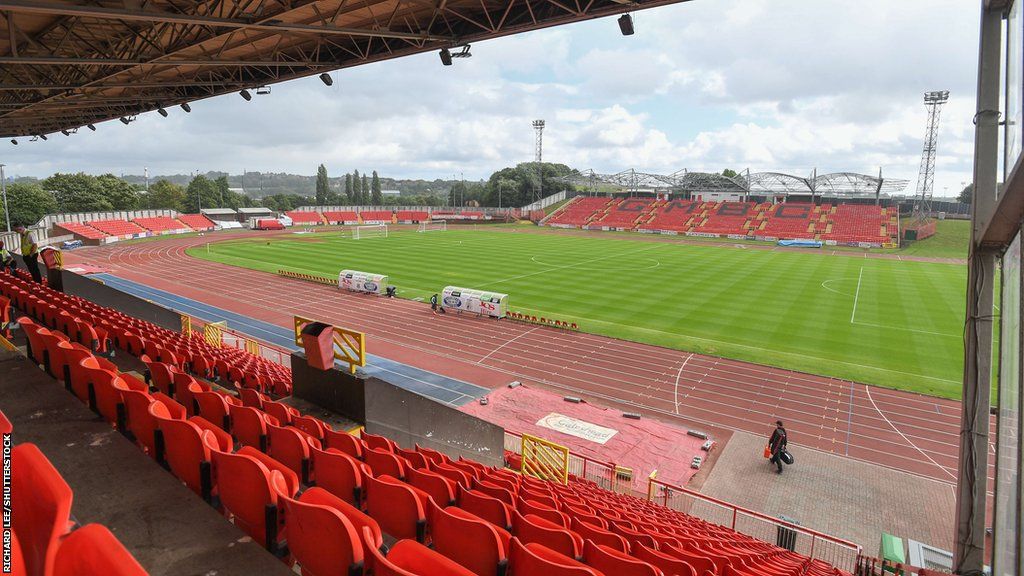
[(538, 127), (926, 176)]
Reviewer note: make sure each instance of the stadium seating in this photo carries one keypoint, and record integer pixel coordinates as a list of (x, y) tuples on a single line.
[(118, 227), (449, 516), (160, 224), (412, 216), (375, 216), (726, 218), (789, 221), (340, 216), (626, 213), (579, 211), (197, 222), (84, 230), (300, 217), (673, 216), (849, 223)]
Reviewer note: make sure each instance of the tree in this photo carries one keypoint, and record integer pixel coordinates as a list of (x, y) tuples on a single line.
[(223, 190), (322, 186), (120, 194), (28, 202), (77, 193), (165, 195), (377, 198), (357, 189), (366, 190), (730, 173), (350, 198), (967, 194), (201, 193)]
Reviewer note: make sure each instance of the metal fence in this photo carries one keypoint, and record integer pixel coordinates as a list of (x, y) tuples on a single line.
[(232, 339), (840, 553), (604, 474)]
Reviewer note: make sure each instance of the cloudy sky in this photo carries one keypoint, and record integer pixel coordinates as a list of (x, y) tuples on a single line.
[(785, 85)]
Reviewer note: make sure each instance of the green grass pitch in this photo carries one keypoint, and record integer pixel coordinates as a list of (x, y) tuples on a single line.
[(881, 321)]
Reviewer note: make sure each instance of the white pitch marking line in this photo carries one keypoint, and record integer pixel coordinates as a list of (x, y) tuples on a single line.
[(656, 245), (856, 296), (511, 340), (893, 426), (679, 374)]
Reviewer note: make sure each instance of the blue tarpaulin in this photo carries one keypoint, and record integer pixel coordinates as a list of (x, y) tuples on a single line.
[(801, 243)]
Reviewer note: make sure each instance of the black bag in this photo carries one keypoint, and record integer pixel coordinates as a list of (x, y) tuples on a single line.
[(786, 457)]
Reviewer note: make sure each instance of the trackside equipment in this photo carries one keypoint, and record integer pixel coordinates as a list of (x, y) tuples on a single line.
[(477, 301), (357, 281)]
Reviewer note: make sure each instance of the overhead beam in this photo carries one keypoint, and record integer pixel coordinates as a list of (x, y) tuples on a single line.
[(56, 9), (62, 61), (76, 87)]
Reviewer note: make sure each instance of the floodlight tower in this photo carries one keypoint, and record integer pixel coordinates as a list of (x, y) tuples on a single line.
[(926, 176), (538, 127)]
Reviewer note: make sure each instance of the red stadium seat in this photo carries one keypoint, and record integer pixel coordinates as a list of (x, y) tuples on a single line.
[(670, 565), (611, 561), (396, 507), (249, 491), (140, 422), (699, 563), (385, 463), (320, 537), (600, 536), (41, 507), (93, 550), (372, 537), (339, 474), (225, 443), (414, 458), (454, 474), (468, 540), (283, 412), (313, 426), (291, 479), (291, 448), (187, 449), (214, 408), (441, 489), (434, 456), (409, 558), (381, 442), (252, 398), (485, 507), (494, 491), (17, 558), (249, 425), (347, 443), (532, 528), (5, 425), (534, 559), (107, 390), (546, 512)]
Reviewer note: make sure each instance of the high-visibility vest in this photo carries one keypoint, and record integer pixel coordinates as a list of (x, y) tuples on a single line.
[(5, 254), (28, 245)]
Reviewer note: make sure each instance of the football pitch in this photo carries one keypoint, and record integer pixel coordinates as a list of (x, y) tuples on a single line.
[(888, 322)]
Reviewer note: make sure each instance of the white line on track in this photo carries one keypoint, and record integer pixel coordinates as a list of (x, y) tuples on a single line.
[(893, 426), (678, 374), (856, 297), (511, 340)]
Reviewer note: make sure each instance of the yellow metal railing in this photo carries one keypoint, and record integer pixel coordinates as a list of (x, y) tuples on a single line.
[(214, 333), (186, 325), (349, 345), (545, 460)]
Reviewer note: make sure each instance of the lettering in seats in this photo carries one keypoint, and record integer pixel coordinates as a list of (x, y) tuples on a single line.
[(734, 209), (798, 211), (684, 205), (633, 205)]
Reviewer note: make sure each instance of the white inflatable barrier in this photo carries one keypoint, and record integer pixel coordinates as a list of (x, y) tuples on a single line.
[(357, 281), (475, 301)]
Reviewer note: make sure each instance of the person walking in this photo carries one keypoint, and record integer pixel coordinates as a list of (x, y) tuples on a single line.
[(29, 252), (7, 262), (777, 445), (433, 303)]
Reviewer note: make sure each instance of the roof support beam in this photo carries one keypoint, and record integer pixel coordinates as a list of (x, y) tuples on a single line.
[(61, 61), (154, 16)]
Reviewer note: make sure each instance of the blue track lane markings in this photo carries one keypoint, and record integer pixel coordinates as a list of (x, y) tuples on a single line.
[(440, 388)]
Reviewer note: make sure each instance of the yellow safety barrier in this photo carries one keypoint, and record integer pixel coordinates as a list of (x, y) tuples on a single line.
[(186, 325), (252, 347), (545, 460), (214, 333), (349, 345), (308, 277)]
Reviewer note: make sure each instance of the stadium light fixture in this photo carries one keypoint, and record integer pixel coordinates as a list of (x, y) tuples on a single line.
[(262, 90), (13, 141), (43, 136), (246, 94), (626, 25), (326, 79), (125, 120), (90, 127), (186, 107), (446, 57), (161, 110), (65, 132)]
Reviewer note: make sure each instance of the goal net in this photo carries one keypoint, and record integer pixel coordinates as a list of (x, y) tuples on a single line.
[(370, 231), (433, 226)]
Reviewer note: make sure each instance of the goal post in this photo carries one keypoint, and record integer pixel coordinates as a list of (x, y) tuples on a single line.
[(428, 226), (369, 231)]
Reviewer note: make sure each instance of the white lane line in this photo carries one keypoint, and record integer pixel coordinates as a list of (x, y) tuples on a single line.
[(509, 341), (675, 393), (902, 435), (856, 296)]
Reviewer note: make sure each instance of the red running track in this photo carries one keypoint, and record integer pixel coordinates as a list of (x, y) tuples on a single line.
[(905, 431)]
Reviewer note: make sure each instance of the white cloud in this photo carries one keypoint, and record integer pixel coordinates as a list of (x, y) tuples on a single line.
[(779, 85)]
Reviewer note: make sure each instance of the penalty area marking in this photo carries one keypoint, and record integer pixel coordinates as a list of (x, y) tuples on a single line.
[(826, 286), (856, 296), (656, 264)]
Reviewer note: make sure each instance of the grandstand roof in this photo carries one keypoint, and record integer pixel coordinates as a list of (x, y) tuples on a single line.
[(838, 184), (65, 65)]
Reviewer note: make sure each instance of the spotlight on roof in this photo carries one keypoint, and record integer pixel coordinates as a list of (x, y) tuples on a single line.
[(326, 79), (43, 136), (245, 94), (446, 57), (186, 107), (626, 25), (262, 90), (13, 141), (65, 132), (90, 127), (161, 110)]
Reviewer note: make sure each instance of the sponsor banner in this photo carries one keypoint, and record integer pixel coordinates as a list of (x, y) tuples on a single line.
[(670, 232), (362, 281), (702, 234), (831, 243), (578, 428), (766, 238), (737, 236), (475, 301)]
